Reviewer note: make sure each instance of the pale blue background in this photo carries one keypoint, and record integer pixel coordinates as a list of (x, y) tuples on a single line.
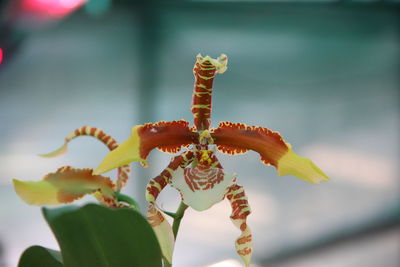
[(324, 76)]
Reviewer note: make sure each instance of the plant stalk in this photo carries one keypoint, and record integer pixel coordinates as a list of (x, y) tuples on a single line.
[(127, 199), (178, 215)]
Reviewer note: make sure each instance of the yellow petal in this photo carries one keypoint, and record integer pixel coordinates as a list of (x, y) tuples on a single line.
[(302, 168), (125, 153), (62, 150), (37, 193)]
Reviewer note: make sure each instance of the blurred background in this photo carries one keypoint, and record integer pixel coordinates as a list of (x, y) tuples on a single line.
[(323, 73)]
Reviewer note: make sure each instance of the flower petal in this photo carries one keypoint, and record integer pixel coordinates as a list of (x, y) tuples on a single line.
[(58, 152), (157, 184), (234, 138), (204, 71), (126, 152), (167, 136), (240, 211), (83, 131), (64, 186), (163, 231), (111, 143), (202, 188), (37, 193), (161, 226), (303, 168)]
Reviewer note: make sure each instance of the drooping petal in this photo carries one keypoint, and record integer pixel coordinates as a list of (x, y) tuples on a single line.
[(233, 138), (157, 184), (202, 188), (167, 136), (155, 217), (64, 186), (240, 211), (163, 231), (111, 143)]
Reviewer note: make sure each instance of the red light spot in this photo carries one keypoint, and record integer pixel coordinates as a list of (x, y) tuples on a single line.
[(1, 55), (51, 8)]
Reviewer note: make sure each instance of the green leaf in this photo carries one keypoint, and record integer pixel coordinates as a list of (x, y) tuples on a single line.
[(37, 256), (94, 235)]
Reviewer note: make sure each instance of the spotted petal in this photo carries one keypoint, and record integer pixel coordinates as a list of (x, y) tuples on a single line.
[(202, 188), (233, 138), (64, 186), (167, 136)]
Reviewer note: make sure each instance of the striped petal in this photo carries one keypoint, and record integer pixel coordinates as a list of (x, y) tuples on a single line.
[(157, 184), (202, 188), (163, 231), (166, 136), (64, 186), (83, 131), (234, 138), (204, 71)]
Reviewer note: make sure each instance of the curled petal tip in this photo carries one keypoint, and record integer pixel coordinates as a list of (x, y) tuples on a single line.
[(220, 63), (223, 62), (302, 168), (58, 152)]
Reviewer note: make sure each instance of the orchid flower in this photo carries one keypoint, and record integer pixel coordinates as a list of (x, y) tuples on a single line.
[(196, 173), (68, 184)]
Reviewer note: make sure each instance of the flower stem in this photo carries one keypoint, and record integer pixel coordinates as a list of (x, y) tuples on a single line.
[(178, 215), (166, 263), (127, 199)]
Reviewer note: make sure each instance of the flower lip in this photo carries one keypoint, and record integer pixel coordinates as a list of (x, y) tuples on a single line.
[(202, 188)]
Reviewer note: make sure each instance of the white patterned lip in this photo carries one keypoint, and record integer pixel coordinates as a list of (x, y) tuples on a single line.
[(201, 189)]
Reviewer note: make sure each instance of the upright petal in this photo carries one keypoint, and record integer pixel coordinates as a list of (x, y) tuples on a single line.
[(163, 231), (233, 138), (240, 211), (64, 186), (167, 136), (204, 71), (202, 188)]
